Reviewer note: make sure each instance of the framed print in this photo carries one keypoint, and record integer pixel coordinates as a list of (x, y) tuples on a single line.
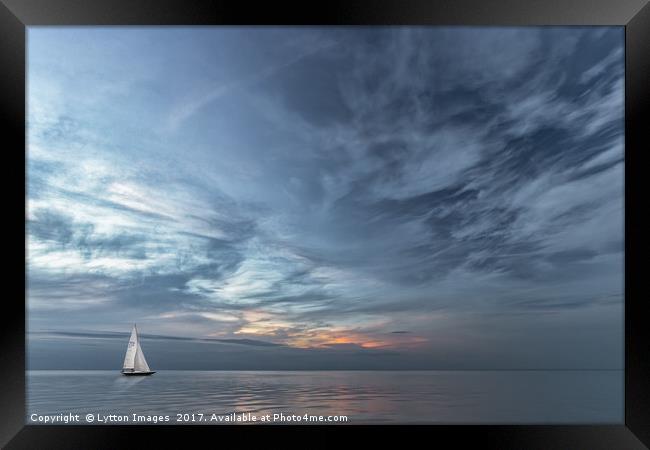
[(370, 216)]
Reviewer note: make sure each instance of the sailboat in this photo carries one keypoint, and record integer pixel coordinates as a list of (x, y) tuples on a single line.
[(134, 362)]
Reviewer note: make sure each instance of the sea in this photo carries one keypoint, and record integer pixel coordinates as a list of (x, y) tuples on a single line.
[(174, 397)]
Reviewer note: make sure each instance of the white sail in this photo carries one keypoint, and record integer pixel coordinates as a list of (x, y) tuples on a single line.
[(134, 361), (131, 350), (140, 363)]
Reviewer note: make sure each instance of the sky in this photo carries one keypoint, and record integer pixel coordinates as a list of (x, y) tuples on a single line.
[(326, 198)]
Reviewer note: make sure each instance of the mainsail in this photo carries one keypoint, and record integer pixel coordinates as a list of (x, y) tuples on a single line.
[(134, 360)]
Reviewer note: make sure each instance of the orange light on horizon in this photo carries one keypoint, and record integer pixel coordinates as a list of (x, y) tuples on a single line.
[(264, 324), (327, 338)]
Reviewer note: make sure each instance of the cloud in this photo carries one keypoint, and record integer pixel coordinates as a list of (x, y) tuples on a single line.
[(330, 189), (122, 336)]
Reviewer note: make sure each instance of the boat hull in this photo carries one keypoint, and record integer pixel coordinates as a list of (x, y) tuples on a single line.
[(134, 374)]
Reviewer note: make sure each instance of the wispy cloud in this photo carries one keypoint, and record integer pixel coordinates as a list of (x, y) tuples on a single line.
[(431, 191)]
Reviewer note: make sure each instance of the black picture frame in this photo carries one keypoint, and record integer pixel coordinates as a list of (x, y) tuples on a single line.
[(634, 15)]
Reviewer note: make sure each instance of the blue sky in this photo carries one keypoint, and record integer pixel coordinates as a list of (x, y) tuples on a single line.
[(398, 197)]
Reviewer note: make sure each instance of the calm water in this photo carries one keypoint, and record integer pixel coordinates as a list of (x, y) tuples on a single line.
[(365, 397)]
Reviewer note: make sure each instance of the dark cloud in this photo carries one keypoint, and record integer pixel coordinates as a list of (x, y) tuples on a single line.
[(122, 336), (51, 226)]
